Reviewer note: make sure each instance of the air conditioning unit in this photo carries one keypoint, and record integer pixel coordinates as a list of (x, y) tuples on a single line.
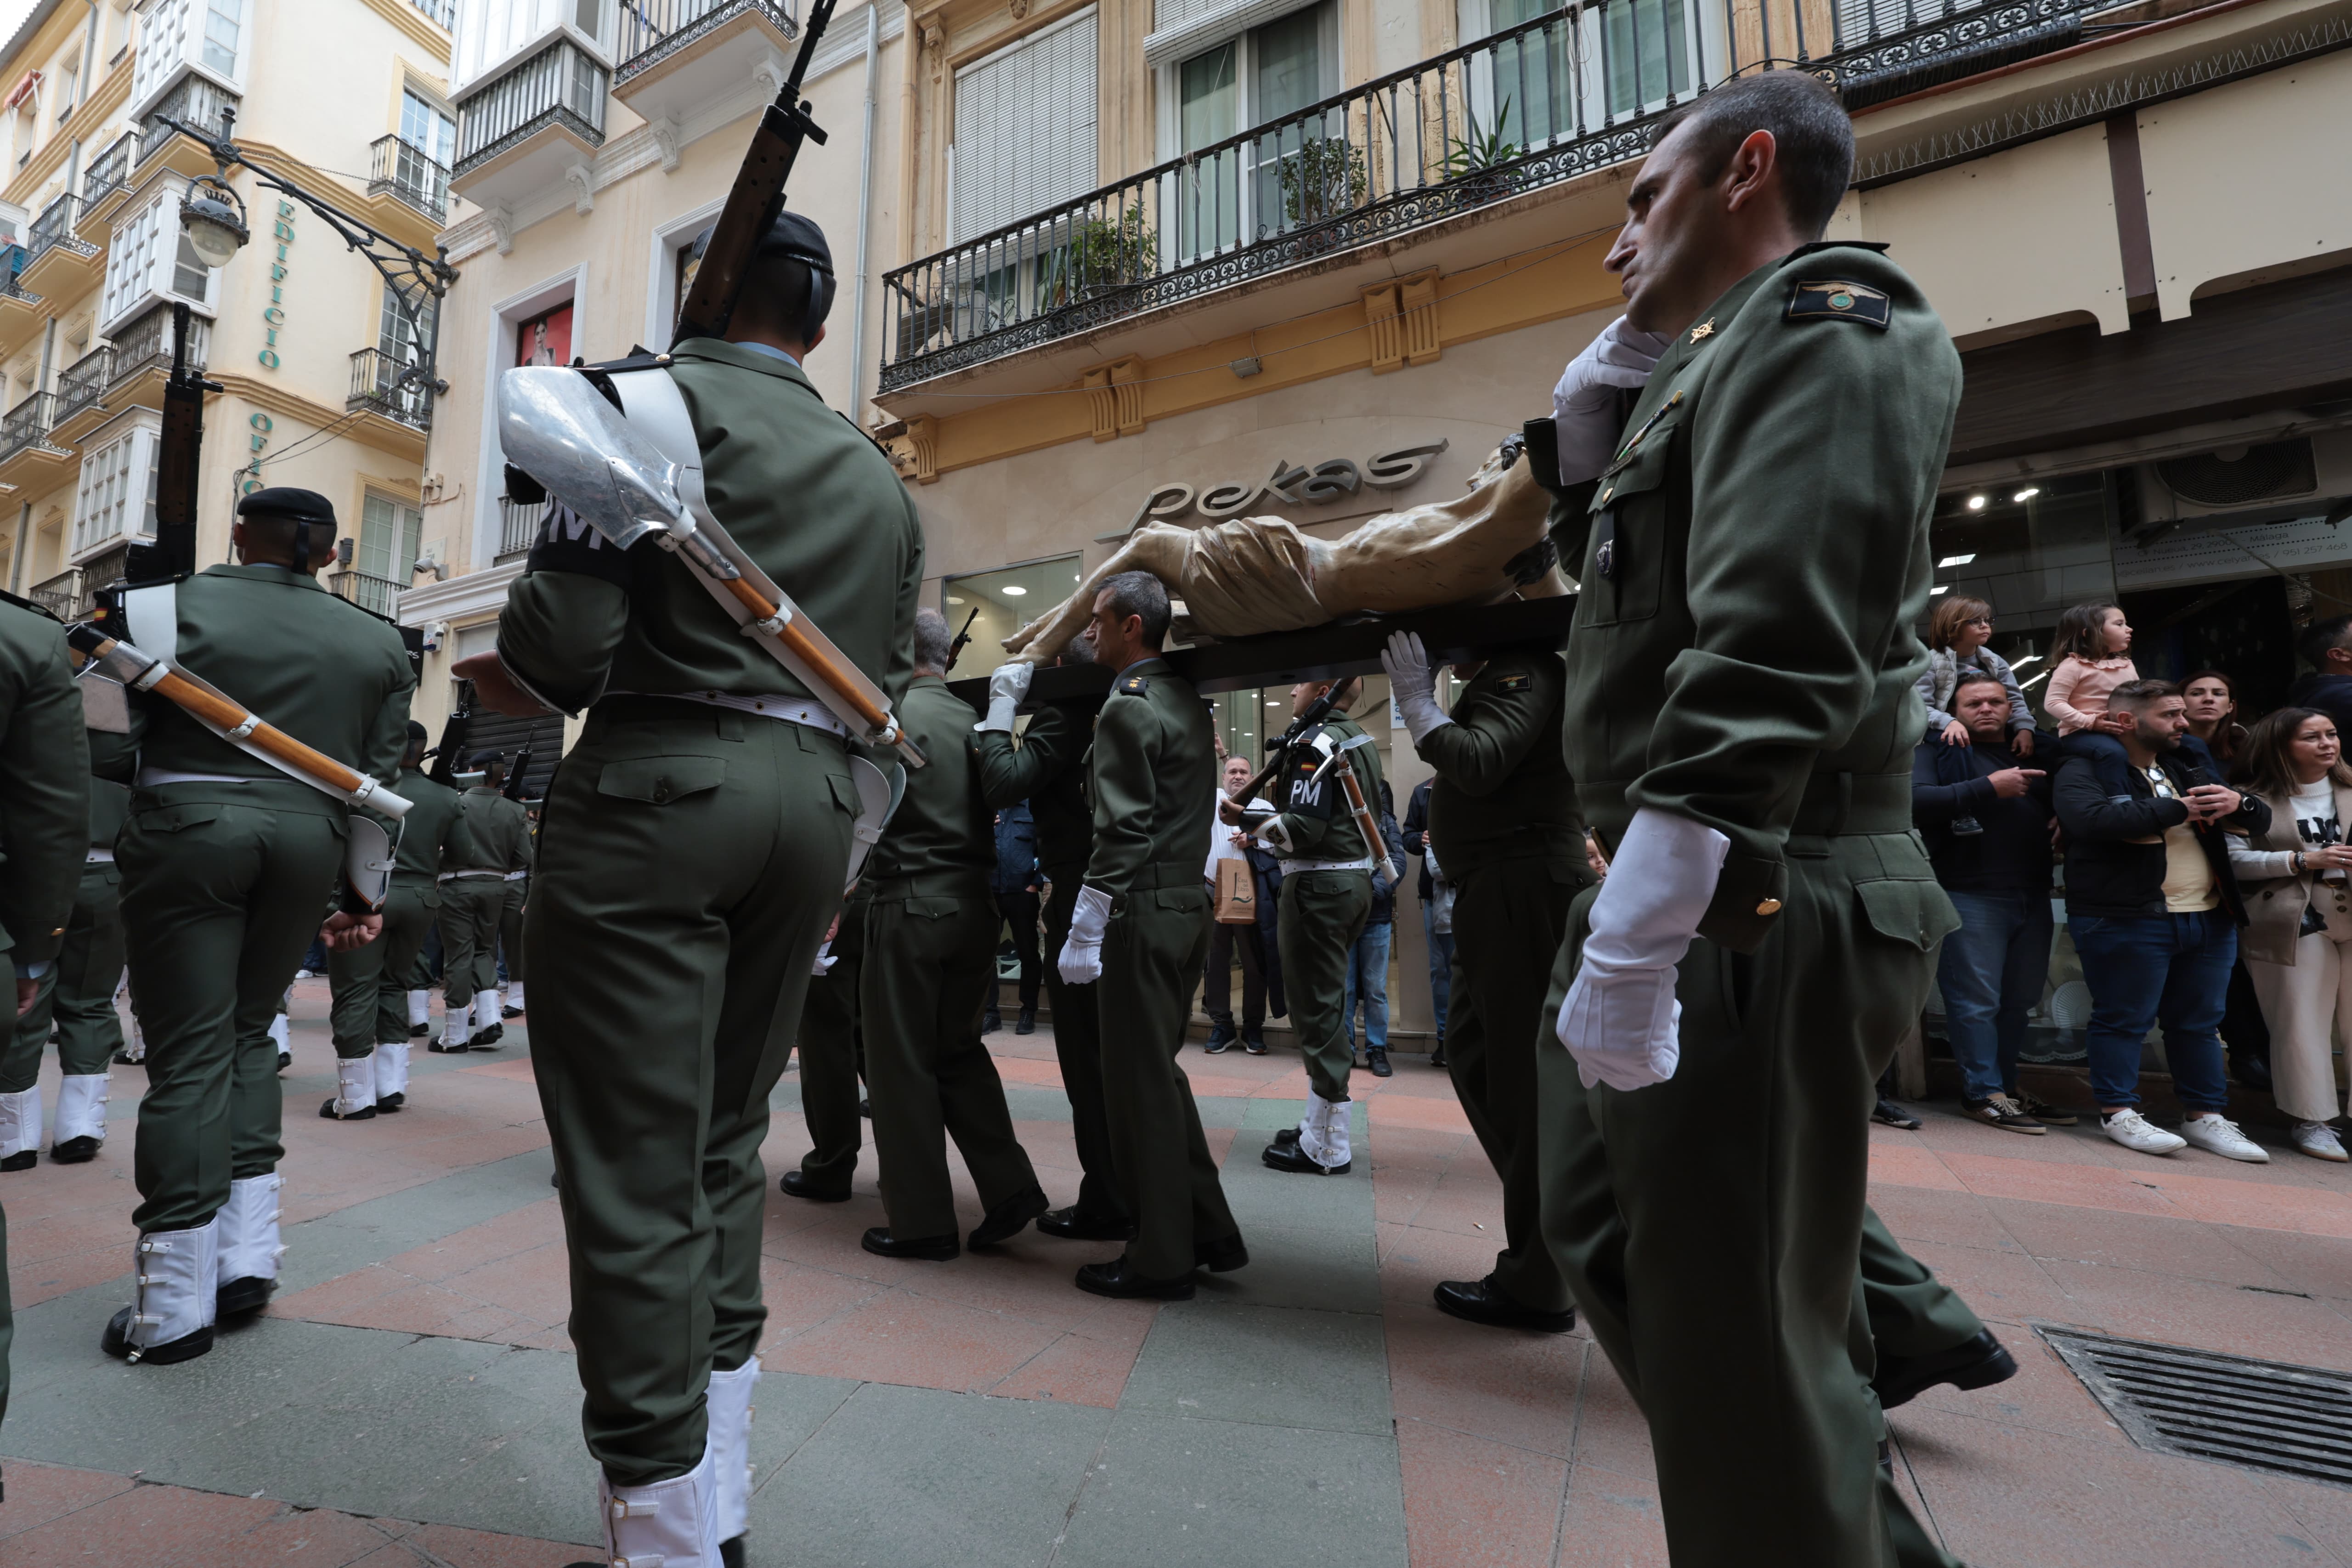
[(2264, 481)]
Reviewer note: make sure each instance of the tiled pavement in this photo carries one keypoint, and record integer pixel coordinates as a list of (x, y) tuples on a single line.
[(409, 1397)]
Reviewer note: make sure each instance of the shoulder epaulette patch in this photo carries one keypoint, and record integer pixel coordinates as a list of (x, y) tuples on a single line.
[(1831, 300), (1513, 682), (1135, 686)]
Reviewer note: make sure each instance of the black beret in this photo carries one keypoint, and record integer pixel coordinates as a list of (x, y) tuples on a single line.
[(799, 237), (284, 501), (484, 758), (417, 732)]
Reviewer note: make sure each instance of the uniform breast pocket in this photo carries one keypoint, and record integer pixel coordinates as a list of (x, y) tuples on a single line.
[(1631, 540)]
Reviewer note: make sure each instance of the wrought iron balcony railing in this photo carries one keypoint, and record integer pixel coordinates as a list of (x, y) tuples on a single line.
[(653, 30), (146, 344), (28, 422), (560, 85), (443, 12), (1531, 106), (410, 173), (380, 381), (103, 571), (196, 100), (112, 170), (61, 594), (518, 523), (54, 228), (381, 595), (85, 382)]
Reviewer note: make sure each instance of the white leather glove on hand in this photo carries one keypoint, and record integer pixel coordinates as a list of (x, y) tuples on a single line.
[(1414, 683), (1584, 404), (1007, 685), (825, 957), (1081, 959), (1621, 1020)]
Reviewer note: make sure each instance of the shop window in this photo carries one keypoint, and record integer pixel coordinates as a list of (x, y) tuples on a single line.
[(998, 604), (545, 339)]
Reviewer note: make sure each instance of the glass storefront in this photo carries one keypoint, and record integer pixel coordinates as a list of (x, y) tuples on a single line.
[(994, 605)]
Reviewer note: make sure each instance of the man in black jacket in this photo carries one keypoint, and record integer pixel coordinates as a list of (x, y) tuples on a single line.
[(1440, 943), (1987, 824), (2155, 914), (2326, 647)]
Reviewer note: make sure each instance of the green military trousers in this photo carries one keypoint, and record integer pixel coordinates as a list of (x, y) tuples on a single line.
[(510, 931), (690, 860), (220, 901), (1711, 1226), (1510, 920), (1154, 948), (77, 993), (369, 983), (1077, 1046), (472, 907), (1321, 914), (1911, 1313), (831, 1058), (931, 963)]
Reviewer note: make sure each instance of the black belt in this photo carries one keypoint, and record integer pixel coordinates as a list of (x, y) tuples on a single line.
[(1168, 874), (1836, 805), (947, 884)]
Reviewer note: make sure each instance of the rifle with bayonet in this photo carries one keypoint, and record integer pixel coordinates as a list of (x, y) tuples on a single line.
[(451, 751), (515, 774), (758, 196), (1357, 807), (955, 648)]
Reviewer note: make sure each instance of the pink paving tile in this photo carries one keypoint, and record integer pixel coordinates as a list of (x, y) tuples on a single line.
[(1612, 1435), (40, 1493), (1611, 1519), (479, 1549), (1088, 1367), (1423, 1257), (298, 1537), (2006, 1286), (1046, 1073), (1387, 1111), (2321, 1265), (914, 1341), (517, 1069), (2204, 1314), (2045, 1396), (1910, 1165), (145, 1527), (1513, 1388), (1956, 1218), (2163, 1245), (1469, 1503)]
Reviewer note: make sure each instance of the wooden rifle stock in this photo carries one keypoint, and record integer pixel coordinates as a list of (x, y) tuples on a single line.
[(820, 663)]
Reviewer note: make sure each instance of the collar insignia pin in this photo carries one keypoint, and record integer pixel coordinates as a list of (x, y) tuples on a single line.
[(1703, 329)]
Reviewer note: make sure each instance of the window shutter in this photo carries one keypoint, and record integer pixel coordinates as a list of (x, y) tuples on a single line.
[(1024, 128)]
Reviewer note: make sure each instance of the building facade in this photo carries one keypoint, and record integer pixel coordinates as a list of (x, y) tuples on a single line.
[(304, 337), (1189, 259)]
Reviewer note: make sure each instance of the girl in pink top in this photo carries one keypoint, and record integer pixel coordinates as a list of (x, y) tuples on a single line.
[(2093, 658)]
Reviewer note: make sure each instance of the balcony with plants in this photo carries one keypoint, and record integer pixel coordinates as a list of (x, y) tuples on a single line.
[(1529, 109), (678, 56), (519, 127)]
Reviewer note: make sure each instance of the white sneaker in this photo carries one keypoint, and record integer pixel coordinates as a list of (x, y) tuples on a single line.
[(2217, 1134), (2135, 1133), (2319, 1139)]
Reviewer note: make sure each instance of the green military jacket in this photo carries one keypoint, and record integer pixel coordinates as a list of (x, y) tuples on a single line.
[(1153, 778), (44, 786), (942, 825), (1754, 560), (1503, 790), (1316, 813), (498, 834), (323, 669), (1047, 770), (433, 835), (801, 489)]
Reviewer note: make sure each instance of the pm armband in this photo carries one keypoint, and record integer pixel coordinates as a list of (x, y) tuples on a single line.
[(567, 544)]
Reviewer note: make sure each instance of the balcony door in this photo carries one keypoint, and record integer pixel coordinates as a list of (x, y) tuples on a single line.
[(390, 532), (1296, 171), (1522, 89), (1025, 145)]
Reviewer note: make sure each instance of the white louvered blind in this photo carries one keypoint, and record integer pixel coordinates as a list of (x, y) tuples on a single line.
[(1024, 128)]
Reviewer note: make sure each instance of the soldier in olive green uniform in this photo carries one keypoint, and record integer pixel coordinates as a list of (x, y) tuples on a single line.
[(930, 963), (697, 838), (1140, 929), (1327, 896), (77, 993), (44, 822), (473, 887), (228, 865), (1047, 769), (1752, 551), (369, 1014), (510, 945), (831, 1061), (1503, 824)]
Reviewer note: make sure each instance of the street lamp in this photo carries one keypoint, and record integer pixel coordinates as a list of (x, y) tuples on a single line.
[(214, 217)]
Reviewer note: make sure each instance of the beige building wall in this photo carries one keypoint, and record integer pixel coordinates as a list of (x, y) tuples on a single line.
[(279, 330)]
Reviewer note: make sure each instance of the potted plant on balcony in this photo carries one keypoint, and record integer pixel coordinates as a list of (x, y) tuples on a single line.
[(1477, 160), (1107, 256), (1324, 180)]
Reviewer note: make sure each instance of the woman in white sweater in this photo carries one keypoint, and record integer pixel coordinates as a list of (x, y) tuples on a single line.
[(2298, 940)]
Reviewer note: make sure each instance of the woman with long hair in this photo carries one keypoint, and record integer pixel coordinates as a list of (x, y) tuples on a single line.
[(2213, 711), (1958, 634), (2297, 943)]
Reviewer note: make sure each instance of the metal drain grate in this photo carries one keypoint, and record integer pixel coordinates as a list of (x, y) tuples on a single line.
[(2261, 1415)]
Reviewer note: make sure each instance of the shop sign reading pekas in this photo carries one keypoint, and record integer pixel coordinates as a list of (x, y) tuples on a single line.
[(1321, 485)]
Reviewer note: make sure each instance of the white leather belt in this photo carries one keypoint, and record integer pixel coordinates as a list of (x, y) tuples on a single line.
[(1363, 865), (791, 709), (456, 875), (99, 857), (516, 876), (151, 778)]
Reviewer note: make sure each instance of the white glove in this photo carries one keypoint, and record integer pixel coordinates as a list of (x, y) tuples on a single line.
[(1621, 1020), (1584, 404), (1414, 683), (1081, 958), (1007, 685), (824, 960)]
